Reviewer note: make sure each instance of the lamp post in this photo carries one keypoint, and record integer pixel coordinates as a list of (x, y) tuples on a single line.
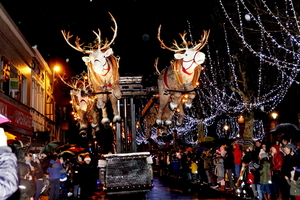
[(226, 128), (56, 68), (273, 124)]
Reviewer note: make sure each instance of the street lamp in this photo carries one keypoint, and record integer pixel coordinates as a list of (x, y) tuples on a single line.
[(226, 128), (274, 115)]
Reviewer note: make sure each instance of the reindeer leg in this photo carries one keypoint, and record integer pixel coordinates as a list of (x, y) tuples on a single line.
[(104, 116), (94, 114), (191, 97), (163, 101), (114, 104), (117, 92), (179, 120)]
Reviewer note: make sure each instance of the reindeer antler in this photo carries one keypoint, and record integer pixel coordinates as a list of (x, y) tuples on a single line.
[(203, 41), (78, 47), (174, 43), (107, 44), (71, 85)]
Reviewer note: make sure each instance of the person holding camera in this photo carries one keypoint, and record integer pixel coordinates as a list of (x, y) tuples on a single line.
[(26, 183)]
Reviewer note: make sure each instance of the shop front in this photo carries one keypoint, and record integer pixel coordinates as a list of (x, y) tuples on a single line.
[(20, 124)]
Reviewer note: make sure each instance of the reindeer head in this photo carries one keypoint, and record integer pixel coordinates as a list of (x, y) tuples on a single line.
[(192, 56), (82, 98), (97, 53)]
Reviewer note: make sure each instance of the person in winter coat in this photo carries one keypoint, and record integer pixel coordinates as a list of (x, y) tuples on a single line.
[(294, 185), (194, 170), (39, 175), (289, 162), (76, 176), (54, 177), (219, 169), (237, 159), (8, 168), (229, 167), (88, 177), (265, 176), (276, 165), (26, 186)]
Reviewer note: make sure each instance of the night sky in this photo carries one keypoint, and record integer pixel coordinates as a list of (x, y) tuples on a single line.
[(41, 23)]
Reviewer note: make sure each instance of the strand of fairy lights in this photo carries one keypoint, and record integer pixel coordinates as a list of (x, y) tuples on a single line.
[(270, 59), (278, 22)]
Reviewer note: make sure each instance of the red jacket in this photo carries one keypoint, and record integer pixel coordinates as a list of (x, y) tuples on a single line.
[(237, 154), (277, 159)]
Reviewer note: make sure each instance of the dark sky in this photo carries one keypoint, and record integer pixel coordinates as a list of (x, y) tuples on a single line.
[(41, 22)]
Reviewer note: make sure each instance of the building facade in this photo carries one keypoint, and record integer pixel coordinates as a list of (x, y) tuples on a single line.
[(26, 87)]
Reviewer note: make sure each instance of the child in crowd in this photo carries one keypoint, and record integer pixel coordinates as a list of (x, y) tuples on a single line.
[(194, 170)]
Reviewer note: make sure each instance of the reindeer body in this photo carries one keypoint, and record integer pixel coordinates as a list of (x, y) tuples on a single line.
[(103, 72), (177, 82), (86, 113), (83, 104)]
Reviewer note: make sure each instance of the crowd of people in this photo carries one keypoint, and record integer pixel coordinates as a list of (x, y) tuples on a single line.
[(26, 175), (256, 171)]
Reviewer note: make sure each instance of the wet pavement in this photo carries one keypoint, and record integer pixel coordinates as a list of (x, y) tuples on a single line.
[(166, 189)]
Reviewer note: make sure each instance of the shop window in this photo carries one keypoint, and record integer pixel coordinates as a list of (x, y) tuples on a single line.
[(10, 80)]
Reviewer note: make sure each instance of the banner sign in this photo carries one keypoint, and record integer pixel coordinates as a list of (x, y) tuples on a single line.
[(17, 116)]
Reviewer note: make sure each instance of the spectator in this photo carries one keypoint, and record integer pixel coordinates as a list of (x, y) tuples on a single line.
[(229, 167), (237, 155), (265, 177), (207, 165), (294, 185), (54, 176), (276, 165), (76, 176), (87, 178), (219, 169), (26, 189), (39, 175), (8, 168), (289, 162), (256, 151), (194, 170)]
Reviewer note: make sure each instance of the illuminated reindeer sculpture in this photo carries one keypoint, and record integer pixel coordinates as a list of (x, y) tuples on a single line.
[(176, 83), (83, 104), (103, 72)]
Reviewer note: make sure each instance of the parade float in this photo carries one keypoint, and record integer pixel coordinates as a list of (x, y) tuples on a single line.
[(121, 170), (124, 169)]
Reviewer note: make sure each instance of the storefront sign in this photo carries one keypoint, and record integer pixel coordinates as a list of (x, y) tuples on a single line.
[(16, 115)]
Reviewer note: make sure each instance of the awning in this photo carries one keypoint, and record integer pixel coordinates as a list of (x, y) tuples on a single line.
[(15, 129)]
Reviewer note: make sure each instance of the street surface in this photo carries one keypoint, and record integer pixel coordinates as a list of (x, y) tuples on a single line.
[(169, 190)]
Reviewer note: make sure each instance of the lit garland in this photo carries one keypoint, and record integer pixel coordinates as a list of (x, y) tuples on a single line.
[(276, 51), (233, 129)]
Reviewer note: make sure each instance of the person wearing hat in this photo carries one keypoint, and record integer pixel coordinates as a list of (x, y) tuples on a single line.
[(87, 178)]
